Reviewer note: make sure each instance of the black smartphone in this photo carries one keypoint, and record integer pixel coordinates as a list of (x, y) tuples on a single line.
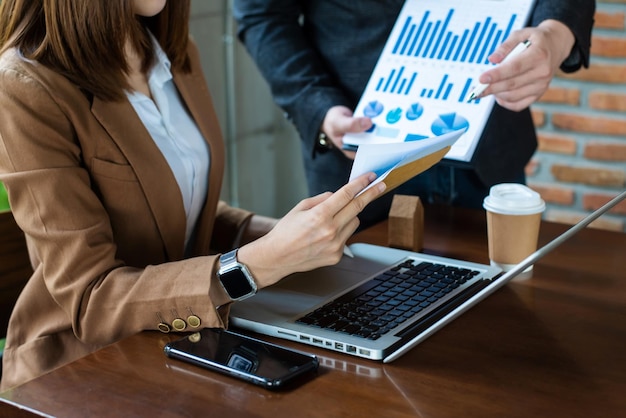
[(238, 355)]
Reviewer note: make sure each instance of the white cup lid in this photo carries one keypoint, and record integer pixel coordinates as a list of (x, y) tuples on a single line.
[(513, 199)]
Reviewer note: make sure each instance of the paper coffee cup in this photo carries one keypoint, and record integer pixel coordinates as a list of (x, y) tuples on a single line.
[(513, 220)]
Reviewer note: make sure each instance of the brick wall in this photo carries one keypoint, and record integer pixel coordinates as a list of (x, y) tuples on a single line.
[(581, 122)]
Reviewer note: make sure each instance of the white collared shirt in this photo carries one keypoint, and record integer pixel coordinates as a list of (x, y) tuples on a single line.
[(177, 136)]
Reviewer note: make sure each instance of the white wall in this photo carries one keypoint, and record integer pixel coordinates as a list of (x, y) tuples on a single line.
[(264, 167)]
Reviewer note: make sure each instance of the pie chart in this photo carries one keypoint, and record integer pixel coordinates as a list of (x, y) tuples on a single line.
[(414, 111), (373, 109), (394, 116), (449, 122)]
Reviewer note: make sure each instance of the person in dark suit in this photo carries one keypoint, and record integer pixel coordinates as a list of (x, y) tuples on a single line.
[(317, 57)]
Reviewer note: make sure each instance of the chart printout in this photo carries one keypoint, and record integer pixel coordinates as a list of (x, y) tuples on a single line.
[(433, 57)]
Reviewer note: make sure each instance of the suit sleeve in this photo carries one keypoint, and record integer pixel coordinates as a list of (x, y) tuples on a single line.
[(272, 33), (577, 15)]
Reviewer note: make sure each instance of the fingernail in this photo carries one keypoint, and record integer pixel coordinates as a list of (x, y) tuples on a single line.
[(371, 177), (382, 186)]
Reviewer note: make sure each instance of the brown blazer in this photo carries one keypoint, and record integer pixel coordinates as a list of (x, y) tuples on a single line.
[(103, 218)]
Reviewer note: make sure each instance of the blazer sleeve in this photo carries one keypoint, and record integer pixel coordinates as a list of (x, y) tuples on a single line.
[(229, 227), (578, 16), (298, 79)]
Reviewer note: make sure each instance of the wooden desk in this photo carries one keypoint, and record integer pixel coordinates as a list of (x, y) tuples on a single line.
[(549, 346)]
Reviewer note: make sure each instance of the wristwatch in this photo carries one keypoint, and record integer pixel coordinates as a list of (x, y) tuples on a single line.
[(235, 277)]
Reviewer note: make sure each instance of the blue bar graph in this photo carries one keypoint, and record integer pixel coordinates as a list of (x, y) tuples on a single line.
[(465, 91), (429, 37), (445, 89), (395, 82), (442, 92)]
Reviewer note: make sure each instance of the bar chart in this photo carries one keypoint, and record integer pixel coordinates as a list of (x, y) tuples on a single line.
[(430, 38), (445, 88), (395, 82)]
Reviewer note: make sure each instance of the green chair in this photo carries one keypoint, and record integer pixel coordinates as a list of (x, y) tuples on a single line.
[(4, 199)]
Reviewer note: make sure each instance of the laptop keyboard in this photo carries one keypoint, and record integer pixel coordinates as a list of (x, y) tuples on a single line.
[(389, 299)]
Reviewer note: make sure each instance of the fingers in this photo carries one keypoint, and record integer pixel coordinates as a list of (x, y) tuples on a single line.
[(339, 120), (519, 80), (312, 201), (347, 193), (342, 207), (520, 98), (358, 125), (355, 205), (333, 203), (509, 45), (510, 68)]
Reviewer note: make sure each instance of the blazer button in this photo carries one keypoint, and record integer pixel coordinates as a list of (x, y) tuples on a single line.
[(179, 324), (193, 321), (162, 325)]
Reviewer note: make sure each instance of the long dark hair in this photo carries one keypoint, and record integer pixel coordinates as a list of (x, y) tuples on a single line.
[(84, 39)]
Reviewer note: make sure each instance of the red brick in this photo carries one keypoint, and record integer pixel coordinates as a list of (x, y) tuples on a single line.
[(602, 73), (605, 20), (607, 101), (539, 117), (590, 124), (570, 218), (589, 175), (556, 143), (554, 194), (561, 96), (592, 201), (610, 47), (532, 167), (605, 151)]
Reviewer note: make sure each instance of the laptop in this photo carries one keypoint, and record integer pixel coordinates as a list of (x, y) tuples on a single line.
[(382, 302)]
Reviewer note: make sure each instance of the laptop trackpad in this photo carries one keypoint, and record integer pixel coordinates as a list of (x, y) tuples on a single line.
[(329, 280)]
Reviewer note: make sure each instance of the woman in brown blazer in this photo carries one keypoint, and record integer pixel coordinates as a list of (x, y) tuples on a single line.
[(112, 157)]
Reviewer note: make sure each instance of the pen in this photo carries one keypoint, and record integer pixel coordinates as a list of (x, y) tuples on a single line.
[(347, 251), (480, 88)]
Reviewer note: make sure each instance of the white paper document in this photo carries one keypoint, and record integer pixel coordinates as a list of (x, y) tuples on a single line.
[(433, 57), (382, 159)]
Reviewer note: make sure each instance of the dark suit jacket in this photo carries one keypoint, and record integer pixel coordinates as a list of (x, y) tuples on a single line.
[(103, 217), (318, 54)]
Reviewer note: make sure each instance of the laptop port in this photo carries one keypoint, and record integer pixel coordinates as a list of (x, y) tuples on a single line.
[(351, 349), (339, 346)]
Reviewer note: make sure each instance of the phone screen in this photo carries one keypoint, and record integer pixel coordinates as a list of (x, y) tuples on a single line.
[(259, 362)]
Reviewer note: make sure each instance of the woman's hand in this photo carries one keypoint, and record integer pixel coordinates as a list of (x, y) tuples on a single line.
[(521, 81), (311, 235)]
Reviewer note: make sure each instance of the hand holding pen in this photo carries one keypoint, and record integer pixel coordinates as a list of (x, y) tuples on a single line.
[(480, 88)]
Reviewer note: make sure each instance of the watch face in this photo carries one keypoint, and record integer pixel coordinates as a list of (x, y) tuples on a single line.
[(236, 283)]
